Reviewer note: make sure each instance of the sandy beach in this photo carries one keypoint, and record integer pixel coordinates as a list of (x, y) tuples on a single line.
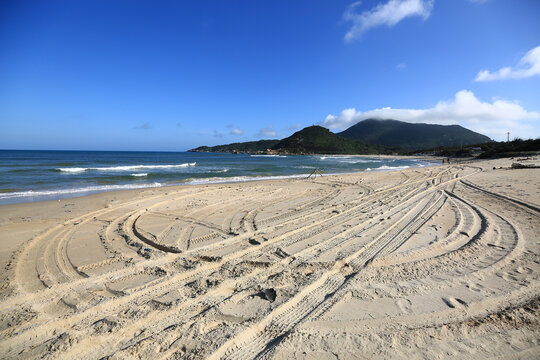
[(435, 262)]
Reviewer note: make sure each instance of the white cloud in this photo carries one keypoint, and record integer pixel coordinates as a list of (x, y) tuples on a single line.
[(529, 65), (267, 132), (401, 66), (492, 119), (388, 14), (236, 132)]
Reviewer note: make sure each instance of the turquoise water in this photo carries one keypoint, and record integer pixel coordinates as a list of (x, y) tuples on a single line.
[(27, 176)]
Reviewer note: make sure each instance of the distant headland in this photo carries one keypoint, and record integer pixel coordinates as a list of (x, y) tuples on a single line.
[(368, 137)]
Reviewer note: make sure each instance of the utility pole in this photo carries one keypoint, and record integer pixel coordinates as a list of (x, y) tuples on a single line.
[(508, 137)]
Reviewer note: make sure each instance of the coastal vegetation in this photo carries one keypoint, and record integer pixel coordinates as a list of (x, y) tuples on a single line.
[(517, 147), (489, 150)]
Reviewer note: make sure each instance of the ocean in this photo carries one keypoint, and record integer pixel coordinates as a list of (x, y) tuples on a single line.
[(27, 176)]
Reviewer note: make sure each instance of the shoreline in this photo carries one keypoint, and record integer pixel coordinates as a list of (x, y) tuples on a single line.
[(52, 195), (395, 264)]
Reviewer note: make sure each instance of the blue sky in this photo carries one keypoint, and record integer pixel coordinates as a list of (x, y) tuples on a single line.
[(173, 75)]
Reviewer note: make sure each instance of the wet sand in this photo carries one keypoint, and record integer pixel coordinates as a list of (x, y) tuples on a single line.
[(438, 262)]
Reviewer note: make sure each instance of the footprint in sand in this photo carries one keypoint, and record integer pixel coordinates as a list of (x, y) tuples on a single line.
[(523, 270), (404, 305), (474, 287), (454, 303), (507, 276)]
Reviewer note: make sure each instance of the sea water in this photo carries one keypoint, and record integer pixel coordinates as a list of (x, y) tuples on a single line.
[(27, 176)]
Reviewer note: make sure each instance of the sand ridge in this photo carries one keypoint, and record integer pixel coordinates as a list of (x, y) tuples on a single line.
[(430, 262)]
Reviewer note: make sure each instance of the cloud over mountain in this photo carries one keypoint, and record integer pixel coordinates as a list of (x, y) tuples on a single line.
[(493, 119)]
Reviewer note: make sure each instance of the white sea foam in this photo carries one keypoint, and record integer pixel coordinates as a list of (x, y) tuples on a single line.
[(139, 175), (216, 180), (350, 159), (359, 161), (126, 168), (336, 157), (279, 156), (72, 170), (89, 189), (236, 179), (385, 167)]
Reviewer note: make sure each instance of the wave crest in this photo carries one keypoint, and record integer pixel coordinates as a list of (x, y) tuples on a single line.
[(125, 168), (88, 189), (279, 156)]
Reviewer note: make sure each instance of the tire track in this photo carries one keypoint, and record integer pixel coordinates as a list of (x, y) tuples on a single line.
[(262, 336), (162, 285)]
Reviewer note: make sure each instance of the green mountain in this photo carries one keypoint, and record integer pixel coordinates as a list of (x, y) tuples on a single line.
[(318, 140), (367, 137), (245, 147), (409, 136), (310, 140)]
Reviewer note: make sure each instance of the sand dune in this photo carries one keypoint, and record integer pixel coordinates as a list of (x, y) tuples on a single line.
[(439, 262)]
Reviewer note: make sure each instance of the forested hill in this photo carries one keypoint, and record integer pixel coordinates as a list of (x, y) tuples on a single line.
[(318, 140), (311, 140), (367, 137), (411, 137), (251, 147)]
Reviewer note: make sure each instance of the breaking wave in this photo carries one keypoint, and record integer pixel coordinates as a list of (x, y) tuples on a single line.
[(88, 189), (125, 168)]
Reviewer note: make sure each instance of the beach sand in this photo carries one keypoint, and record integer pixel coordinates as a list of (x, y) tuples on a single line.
[(438, 262)]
